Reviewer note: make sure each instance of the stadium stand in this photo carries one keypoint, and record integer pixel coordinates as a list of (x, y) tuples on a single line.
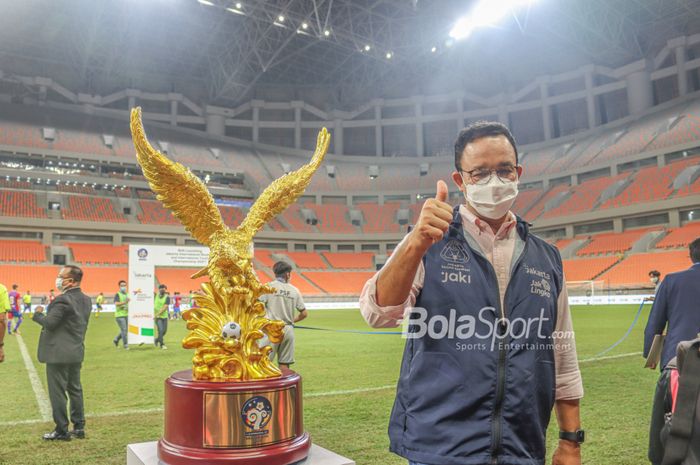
[(345, 283), (83, 208), (264, 257), (536, 210), (680, 237), (650, 184), (687, 129), (99, 254), (20, 203), (13, 184), (155, 213), (607, 243), (584, 197), (344, 260), (232, 216), (525, 200), (178, 279), (41, 278), (332, 218), (379, 218), (585, 269), (634, 269), (292, 216), (561, 244), (22, 252), (306, 260)]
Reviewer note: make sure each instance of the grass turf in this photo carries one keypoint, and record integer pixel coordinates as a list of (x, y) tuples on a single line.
[(124, 391)]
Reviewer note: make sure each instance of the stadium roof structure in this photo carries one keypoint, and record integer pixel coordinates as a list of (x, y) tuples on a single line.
[(223, 51)]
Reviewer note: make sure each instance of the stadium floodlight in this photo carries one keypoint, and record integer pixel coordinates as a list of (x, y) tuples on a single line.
[(237, 11), (486, 13), (389, 55), (433, 50), (280, 18), (304, 25), (367, 48), (326, 32), (205, 2), (239, 5)]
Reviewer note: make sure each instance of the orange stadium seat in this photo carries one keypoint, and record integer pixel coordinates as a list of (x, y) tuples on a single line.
[(332, 218), (680, 237), (650, 184), (83, 208), (525, 200), (265, 257), (633, 270), (686, 130), (307, 260), (584, 196), (22, 252), (537, 209), (106, 254), (605, 243), (81, 142), (379, 218), (19, 203), (155, 213), (178, 279), (17, 134), (585, 269), (561, 244), (292, 216), (342, 283), (352, 260), (232, 216), (41, 278)]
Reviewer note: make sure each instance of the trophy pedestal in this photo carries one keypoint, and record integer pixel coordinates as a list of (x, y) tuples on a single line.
[(233, 423)]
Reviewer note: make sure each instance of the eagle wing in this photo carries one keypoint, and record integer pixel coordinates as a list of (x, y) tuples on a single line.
[(176, 187), (285, 190)]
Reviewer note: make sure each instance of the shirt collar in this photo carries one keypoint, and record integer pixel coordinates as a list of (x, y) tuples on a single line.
[(482, 226)]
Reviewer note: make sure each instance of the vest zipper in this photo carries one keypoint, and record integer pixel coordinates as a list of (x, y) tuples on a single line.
[(496, 429)]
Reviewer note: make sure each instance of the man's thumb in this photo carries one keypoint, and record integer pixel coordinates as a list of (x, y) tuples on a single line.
[(441, 191)]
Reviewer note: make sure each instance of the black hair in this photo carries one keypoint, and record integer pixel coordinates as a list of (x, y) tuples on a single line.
[(14, 286), (479, 130), (74, 273), (162, 286), (695, 250), (281, 268), (655, 273), (121, 281)]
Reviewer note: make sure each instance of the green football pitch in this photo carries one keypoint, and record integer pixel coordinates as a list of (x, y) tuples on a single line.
[(349, 386)]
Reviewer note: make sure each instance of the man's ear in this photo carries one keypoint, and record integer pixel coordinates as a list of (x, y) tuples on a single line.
[(519, 169), (457, 179)]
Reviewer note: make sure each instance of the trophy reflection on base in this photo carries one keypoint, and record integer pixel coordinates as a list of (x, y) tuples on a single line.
[(235, 406)]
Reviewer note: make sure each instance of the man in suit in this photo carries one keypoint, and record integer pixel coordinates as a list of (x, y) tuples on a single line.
[(676, 305), (62, 349)]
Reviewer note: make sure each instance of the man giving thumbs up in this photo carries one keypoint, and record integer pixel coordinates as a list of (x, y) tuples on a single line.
[(490, 349)]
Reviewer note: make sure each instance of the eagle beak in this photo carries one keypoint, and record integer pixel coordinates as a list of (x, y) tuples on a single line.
[(200, 273)]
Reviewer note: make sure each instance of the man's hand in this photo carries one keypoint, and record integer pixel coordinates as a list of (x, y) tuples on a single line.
[(39, 309), (434, 220), (567, 453)]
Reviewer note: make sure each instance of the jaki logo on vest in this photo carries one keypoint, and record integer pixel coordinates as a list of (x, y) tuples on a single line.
[(455, 277)]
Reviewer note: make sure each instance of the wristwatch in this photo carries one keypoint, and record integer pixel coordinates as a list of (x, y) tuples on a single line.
[(577, 436)]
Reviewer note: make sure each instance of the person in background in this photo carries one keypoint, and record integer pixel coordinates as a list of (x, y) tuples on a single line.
[(655, 278), (62, 349), (193, 303), (160, 313), (99, 300), (284, 305), (27, 301), (177, 302), (15, 310), (52, 296), (4, 309), (121, 314), (675, 306)]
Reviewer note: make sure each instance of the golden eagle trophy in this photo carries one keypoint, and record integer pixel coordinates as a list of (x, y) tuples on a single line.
[(227, 371)]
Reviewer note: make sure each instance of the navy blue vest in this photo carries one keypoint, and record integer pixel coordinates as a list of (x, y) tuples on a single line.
[(474, 389)]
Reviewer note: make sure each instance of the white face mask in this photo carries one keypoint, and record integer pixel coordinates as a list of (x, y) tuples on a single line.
[(493, 199), (59, 284)]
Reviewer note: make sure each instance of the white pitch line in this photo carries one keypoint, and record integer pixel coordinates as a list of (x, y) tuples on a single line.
[(41, 398), (609, 357), (308, 396)]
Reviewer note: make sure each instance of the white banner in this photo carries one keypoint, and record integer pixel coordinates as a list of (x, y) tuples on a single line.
[(143, 260)]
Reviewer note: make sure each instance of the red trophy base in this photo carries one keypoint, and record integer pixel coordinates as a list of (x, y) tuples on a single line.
[(241, 423)]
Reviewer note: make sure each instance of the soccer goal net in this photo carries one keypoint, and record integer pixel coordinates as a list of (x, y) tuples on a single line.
[(585, 288)]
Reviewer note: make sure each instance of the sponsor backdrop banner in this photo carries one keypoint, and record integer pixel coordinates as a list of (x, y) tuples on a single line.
[(143, 260)]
